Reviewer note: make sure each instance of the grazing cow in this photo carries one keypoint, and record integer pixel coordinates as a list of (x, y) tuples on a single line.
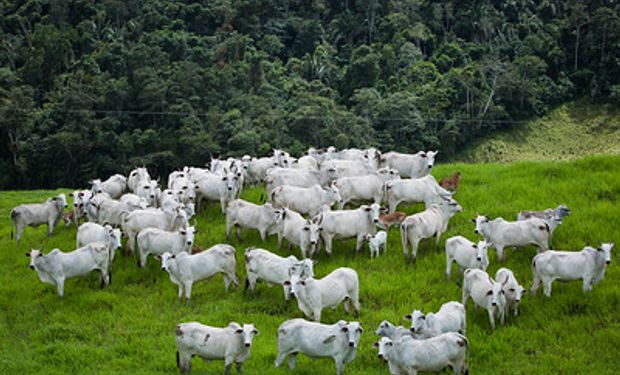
[(92, 232), (138, 220), (588, 265), (365, 188), (231, 343), (466, 254), (451, 183), (413, 166), (185, 269), (424, 189), (501, 233), (298, 231), (387, 329), (431, 222), (35, 214), (135, 176), (388, 220), (486, 293), (408, 356), (376, 243), (512, 290), (261, 264), (338, 341), (345, 224), (313, 295), (244, 214), (113, 186), (305, 200), (56, 266), (215, 187), (155, 241), (449, 318)]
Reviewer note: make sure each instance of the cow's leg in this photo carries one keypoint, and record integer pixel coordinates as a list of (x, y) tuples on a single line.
[(238, 229), (359, 242), (261, 232), (339, 366), (535, 284), (188, 290), (180, 291), (328, 245), (465, 296), (228, 361), (316, 315), (280, 358), (279, 240), (60, 284), (239, 366), (291, 360), (19, 230), (223, 204), (491, 318), (547, 287), (414, 249), (50, 227), (229, 225), (448, 267), (500, 253), (587, 284), (345, 304), (437, 237)]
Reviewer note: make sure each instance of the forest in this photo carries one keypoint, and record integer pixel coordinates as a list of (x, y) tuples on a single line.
[(91, 88)]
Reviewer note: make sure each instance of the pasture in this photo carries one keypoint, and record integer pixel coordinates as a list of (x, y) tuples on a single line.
[(129, 326)]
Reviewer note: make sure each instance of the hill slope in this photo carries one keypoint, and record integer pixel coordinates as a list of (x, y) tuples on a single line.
[(129, 326), (568, 132)]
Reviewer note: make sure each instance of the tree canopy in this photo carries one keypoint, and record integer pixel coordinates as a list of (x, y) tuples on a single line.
[(90, 88)]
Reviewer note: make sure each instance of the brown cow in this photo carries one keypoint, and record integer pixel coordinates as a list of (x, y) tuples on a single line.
[(451, 183), (395, 218)]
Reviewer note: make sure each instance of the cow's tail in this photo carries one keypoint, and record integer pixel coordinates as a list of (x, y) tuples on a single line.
[(14, 215)]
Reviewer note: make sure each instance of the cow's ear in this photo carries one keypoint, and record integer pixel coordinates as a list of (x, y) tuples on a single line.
[(239, 331), (28, 254), (375, 344), (408, 317), (344, 329), (475, 246), (473, 220), (173, 257), (367, 209), (303, 283), (287, 283), (489, 292)]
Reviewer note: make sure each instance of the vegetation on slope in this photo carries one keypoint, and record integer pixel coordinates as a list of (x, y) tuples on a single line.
[(570, 131), (129, 326), (106, 85)]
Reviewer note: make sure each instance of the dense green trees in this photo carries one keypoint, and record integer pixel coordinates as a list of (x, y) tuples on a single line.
[(89, 88)]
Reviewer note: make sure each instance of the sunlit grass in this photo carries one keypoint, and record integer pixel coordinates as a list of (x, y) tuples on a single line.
[(128, 327)]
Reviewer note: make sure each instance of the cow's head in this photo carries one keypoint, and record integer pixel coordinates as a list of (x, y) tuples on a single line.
[(418, 320), (385, 347), (430, 158), (353, 330), (333, 194), (482, 254), (167, 260), (373, 211), (496, 292), (188, 234), (480, 222), (96, 186), (35, 256), (311, 231), (606, 250), (247, 333), (385, 328)]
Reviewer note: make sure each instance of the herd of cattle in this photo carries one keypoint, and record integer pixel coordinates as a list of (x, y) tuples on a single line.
[(301, 194)]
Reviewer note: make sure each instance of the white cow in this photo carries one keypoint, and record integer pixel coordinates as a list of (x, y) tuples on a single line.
[(313, 295), (466, 254), (347, 168), (147, 189), (424, 189), (306, 162), (80, 198), (244, 214), (345, 224), (155, 241), (56, 266), (408, 356), (376, 243), (298, 231), (297, 177), (231, 343), (215, 187), (110, 211), (365, 188), (431, 222), (501, 233), (305, 200), (138, 220), (449, 318), (588, 265), (261, 264), (371, 155), (413, 166), (282, 158), (338, 341), (114, 186), (257, 169), (486, 293), (136, 175), (387, 329), (133, 202), (92, 232), (512, 290), (35, 214), (184, 189), (185, 269)]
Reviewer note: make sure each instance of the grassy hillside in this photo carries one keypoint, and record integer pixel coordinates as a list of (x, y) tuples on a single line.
[(128, 327), (570, 131)]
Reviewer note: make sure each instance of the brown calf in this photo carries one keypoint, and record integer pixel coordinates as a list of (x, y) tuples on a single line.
[(68, 218), (395, 218), (451, 183)]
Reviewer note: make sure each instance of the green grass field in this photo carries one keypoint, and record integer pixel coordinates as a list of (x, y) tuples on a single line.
[(129, 326), (570, 131)]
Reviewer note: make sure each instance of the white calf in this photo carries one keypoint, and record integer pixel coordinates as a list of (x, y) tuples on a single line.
[(486, 293), (376, 243), (466, 254), (345, 224), (338, 341), (185, 269), (449, 318), (231, 343), (588, 265)]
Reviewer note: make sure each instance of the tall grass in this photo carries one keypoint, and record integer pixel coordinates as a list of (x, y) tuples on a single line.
[(128, 327)]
